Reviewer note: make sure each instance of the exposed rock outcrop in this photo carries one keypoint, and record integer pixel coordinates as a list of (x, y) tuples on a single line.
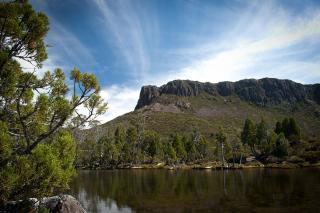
[(147, 94), (262, 92), (58, 204)]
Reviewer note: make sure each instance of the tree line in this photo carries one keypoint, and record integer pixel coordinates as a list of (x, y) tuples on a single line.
[(133, 146), (264, 142), (129, 146)]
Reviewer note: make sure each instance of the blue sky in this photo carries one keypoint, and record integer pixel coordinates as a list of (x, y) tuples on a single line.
[(128, 44)]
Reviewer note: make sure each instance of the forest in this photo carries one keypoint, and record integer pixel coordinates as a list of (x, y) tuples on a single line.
[(135, 146)]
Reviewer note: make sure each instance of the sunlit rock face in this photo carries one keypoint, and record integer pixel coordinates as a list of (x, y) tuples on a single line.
[(262, 92)]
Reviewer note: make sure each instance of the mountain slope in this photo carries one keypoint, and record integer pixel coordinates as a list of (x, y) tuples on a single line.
[(182, 106)]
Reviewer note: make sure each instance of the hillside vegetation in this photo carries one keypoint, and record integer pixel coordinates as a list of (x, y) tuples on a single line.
[(185, 107)]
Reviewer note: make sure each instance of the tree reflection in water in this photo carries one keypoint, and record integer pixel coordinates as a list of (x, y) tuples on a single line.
[(261, 190)]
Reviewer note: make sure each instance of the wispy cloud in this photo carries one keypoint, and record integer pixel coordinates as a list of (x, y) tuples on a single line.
[(155, 43), (121, 21), (271, 49), (246, 54), (66, 49)]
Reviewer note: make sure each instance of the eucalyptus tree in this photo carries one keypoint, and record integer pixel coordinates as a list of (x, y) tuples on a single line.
[(221, 138)]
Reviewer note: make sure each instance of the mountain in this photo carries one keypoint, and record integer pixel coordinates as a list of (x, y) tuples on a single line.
[(180, 106), (263, 92)]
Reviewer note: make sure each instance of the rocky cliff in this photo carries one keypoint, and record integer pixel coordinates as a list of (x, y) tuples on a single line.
[(262, 92)]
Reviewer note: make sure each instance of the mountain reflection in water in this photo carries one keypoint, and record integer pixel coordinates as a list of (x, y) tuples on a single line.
[(250, 190)]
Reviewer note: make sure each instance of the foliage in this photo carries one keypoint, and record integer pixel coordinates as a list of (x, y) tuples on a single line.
[(221, 139), (47, 169), (264, 142), (248, 134), (169, 153), (37, 151), (151, 144), (176, 149), (281, 146), (237, 149), (179, 147)]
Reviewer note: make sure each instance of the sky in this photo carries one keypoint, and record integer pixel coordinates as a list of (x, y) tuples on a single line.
[(131, 43)]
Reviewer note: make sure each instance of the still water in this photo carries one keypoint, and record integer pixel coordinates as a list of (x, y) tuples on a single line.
[(250, 190)]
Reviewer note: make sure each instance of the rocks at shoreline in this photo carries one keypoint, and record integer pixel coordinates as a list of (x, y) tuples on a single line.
[(58, 204)]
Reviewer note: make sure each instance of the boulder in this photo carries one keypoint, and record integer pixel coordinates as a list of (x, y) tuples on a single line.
[(55, 204)]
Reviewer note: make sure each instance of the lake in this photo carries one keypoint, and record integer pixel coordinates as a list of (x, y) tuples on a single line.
[(249, 190)]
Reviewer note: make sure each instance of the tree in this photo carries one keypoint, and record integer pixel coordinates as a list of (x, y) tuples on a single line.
[(278, 128), (294, 130), (281, 146), (221, 138), (266, 146), (248, 134), (236, 149), (151, 144), (89, 153), (178, 145), (36, 112), (290, 129), (119, 138), (129, 151), (285, 127), (203, 147), (22, 33), (169, 153), (109, 151), (191, 148), (261, 132), (47, 170)]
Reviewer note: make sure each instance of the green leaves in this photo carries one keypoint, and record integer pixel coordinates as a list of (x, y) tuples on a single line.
[(5, 143), (264, 142), (89, 81), (36, 152), (220, 136), (24, 30), (248, 133), (76, 75), (47, 169)]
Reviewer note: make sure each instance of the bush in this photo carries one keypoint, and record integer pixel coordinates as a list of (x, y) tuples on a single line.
[(46, 170)]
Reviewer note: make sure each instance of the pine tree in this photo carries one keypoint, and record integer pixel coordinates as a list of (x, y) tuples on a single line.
[(37, 112)]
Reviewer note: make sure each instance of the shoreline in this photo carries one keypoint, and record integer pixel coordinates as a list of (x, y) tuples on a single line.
[(208, 166)]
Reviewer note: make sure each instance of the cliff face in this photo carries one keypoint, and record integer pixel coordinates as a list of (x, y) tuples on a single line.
[(262, 92)]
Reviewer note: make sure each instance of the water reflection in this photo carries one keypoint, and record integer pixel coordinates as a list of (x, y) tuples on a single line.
[(255, 190)]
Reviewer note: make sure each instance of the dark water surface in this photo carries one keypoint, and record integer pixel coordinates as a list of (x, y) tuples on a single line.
[(250, 190)]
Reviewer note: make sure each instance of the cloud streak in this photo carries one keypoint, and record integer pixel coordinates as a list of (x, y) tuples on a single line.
[(199, 41), (245, 57), (122, 22)]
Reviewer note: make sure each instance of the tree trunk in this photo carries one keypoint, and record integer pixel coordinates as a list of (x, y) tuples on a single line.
[(233, 158), (222, 155)]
